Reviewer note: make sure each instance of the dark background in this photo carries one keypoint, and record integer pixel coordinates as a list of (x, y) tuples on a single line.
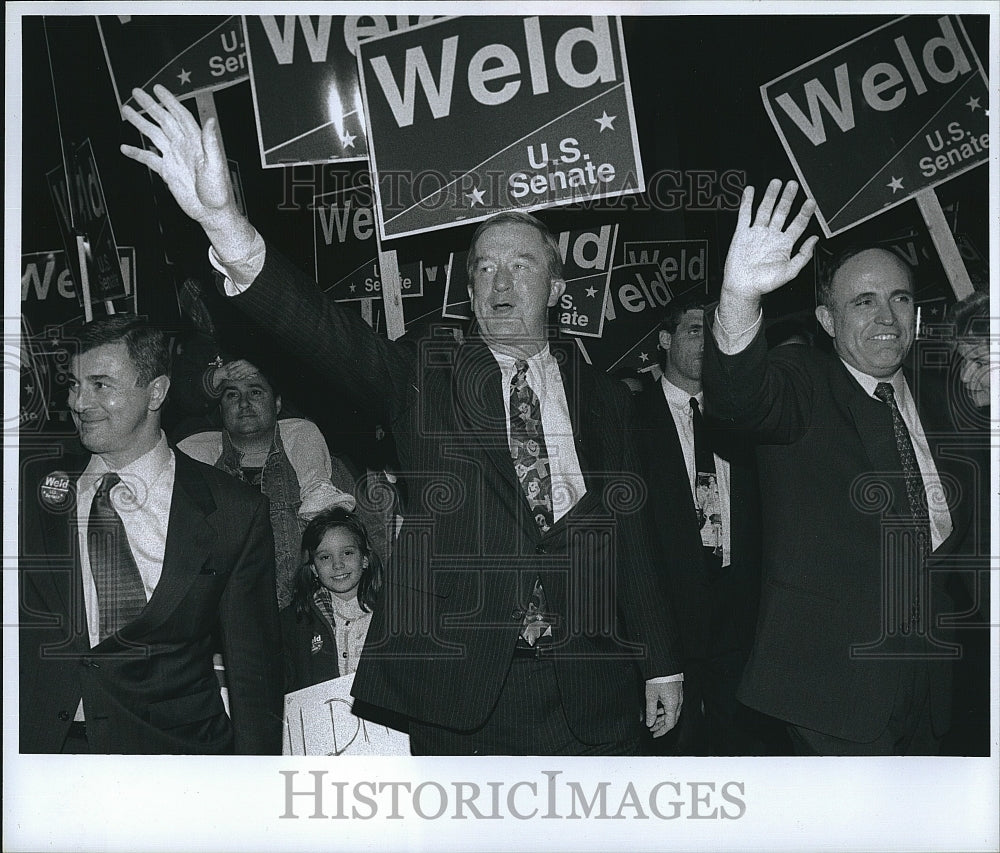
[(695, 83)]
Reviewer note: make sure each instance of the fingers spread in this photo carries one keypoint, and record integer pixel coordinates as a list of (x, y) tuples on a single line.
[(147, 158), (784, 204), (176, 109), (746, 208), (145, 127), (767, 203)]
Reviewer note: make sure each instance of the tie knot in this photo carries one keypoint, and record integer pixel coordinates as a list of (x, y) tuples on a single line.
[(108, 482), (885, 392), (520, 371), (695, 408)]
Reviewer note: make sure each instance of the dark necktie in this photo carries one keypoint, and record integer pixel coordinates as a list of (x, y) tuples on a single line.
[(120, 592), (704, 459), (531, 464), (916, 498)]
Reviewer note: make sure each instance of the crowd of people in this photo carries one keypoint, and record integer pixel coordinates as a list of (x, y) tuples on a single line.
[(775, 547)]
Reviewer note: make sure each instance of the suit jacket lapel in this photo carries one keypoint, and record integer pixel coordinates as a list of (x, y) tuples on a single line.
[(190, 537), (871, 418), (479, 406)]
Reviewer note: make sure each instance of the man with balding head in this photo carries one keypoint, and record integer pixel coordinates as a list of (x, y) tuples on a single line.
[(853, 449)]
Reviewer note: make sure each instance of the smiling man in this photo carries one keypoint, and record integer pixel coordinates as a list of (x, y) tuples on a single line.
[(131, 561), (852, 452), (522, 612)]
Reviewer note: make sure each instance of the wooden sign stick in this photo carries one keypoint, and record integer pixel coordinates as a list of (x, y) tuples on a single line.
[(944, 242)]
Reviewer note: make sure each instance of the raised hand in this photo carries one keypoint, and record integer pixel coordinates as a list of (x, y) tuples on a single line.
[(760, 257), (188, 159)]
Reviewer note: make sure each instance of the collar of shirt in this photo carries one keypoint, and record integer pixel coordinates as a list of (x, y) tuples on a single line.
[(542, 367), (136, 478), (678, 397), (869, 383)]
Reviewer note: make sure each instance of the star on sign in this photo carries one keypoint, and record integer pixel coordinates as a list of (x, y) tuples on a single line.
[(591, 292), (973, 104), (184, 77), (644, 356), (353, 287), (475, 197), (895, 184), (605, 121), (347, 140)]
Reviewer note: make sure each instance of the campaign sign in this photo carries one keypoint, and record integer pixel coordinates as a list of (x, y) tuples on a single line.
[(49, 295), (469, 116), (319, 720), (875, 121), (427, 307), (304, 77), (655, 274), (346, 250), (81, 208), (186, 54), (587, 256), (929, 278), (50, 305), (683, 266)]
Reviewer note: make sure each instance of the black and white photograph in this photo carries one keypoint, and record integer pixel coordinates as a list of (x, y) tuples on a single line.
[(451, 426)]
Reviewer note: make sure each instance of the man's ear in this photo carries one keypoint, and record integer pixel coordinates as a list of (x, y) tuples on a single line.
[(664, 340), (556, 289), (277, 405), (825, 318), (158, 392)]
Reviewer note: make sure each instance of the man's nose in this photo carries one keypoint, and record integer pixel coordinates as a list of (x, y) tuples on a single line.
[(503, 279), (78, 399), (884, 314)]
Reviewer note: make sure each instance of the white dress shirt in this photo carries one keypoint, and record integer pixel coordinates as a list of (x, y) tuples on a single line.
[(564, 465), (679, 403), (142, 499)]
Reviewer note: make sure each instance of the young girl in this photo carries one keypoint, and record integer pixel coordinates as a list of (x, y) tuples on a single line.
[(324, 627)]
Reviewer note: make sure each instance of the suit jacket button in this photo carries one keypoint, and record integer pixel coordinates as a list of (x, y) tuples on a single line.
[(64, 715)]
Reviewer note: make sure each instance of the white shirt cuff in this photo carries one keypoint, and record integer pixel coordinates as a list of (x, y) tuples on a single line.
[(731, 342), (663, 679), (240, 273)]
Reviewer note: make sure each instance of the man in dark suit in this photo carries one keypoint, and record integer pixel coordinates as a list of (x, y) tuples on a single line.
[(864, 490), (703, 498), (131, 564), (523, 612)]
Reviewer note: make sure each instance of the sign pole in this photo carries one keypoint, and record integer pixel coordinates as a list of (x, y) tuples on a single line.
[(392, 294), (81, 251), (944, 242), (366, 310)]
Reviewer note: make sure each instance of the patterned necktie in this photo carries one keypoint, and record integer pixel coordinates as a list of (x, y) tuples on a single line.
[(531, 463), (527, 446), (916, 497), (120, 592)]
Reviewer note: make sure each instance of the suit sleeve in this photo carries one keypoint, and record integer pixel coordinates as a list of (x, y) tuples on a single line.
[(311, 325), (251, 638), (646, 609), (768, 396)]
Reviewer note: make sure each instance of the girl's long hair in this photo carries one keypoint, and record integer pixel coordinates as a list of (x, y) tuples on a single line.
[(306, 582)]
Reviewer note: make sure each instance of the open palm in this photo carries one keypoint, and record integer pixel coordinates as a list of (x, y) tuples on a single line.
[(760, 258), (188, 158)]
